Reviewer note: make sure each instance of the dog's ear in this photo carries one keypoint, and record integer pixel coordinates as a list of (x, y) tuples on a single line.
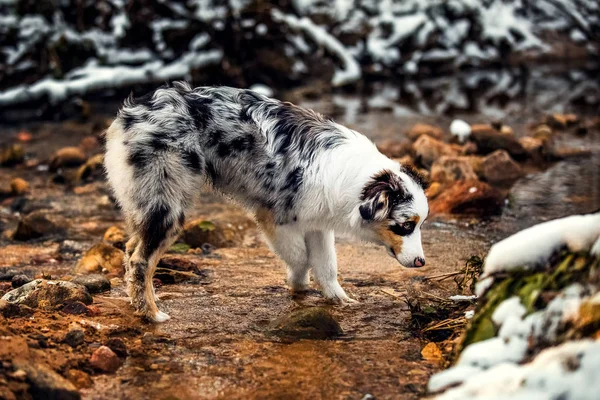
[(380, 195)]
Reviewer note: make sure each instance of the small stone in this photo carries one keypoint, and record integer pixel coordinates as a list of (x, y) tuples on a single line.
[(563, 153), (11, 155), (169, 276), (38, 224), (394, 148), (115, 236), (76, 308), (89, 143), (561, 121), (92, 170), (46, 383), (117, 345), (101, 257), (420, 129), (19, 186), (80, 379), (67, 157), (19, 375), (46, 294), (427, 150), (105, 360), (499, 168), (94, 283), (8, 310), (307, 323), (489, 140), (74, 338), (220, 230), (20, 280), (534, 147), (451, 169), (468, 197), (434, 189), (71, 247), (543, 132)]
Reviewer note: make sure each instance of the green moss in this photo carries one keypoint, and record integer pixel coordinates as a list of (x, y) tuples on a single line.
[(529, 286), (206, 226), (179, 248)]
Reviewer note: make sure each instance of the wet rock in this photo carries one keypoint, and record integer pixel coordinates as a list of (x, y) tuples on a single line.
[(94, 283), (45, 383), (118, 346), (80, 379), (45, 294), (427, 150), (220, 231), (115, 236), (562, 121), (67, 157), (19, 186), (103, 258), (20, 280), (71, 247), (451, 169), (9, 310), (74, 338), (394, 148), (180, 263), (499, 168), (169, 276), (89, 143), (307, 323), (435, 188), (468, 197), (543, 132), (489, 140), (424, 129), (11, 155), (6, 274), (92, 170), (105, 360), (563, 153), (40, 223), (534, 147), (76, 308)]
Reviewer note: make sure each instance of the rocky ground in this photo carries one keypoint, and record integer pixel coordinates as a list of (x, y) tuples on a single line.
[(67, 329)]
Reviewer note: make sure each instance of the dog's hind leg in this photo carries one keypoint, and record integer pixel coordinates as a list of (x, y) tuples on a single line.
[(130, 247), (322, 258), (155, 236)]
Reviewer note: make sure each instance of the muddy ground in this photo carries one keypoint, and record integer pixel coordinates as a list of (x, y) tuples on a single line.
[(221, 342)]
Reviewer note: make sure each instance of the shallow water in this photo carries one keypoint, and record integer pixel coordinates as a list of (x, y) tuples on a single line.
[(218, 344)]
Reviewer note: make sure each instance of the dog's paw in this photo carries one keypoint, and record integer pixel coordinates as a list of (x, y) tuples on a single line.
[(159, 317), (341, 300)]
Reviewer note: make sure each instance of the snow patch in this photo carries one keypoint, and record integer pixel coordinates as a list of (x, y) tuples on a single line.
[(351, 71), (534, 246), (460, 129)]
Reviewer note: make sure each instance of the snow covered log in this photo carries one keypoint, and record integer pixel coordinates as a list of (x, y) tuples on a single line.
[(536, 330), (68, 48)]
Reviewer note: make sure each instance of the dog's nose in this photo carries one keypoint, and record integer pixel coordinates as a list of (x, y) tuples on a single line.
[(419, 262)]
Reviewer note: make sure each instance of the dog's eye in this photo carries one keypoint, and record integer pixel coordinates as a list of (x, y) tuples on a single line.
[(403, 229)]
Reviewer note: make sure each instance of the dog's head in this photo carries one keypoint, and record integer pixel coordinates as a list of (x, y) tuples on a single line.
[(393, 208)]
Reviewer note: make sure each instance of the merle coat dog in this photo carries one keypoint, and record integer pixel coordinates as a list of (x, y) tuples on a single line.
[(302, 175)]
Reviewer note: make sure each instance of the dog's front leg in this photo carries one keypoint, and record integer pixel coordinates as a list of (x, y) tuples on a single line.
[(322, 258), (290, 245)]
